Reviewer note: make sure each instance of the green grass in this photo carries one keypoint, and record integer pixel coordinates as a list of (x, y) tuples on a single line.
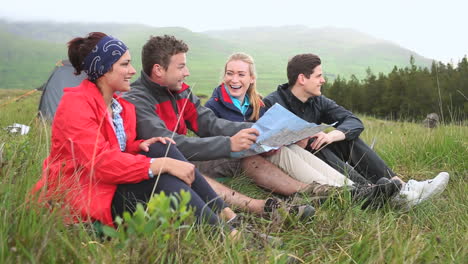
[(434, 232)]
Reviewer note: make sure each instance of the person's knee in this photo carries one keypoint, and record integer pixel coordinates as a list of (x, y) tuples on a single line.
[(358, 143), (159, 149), (155, 150), (170, 183), (253, 162)]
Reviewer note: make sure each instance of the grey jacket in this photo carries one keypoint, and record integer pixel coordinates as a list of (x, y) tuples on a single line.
[(158, 111)]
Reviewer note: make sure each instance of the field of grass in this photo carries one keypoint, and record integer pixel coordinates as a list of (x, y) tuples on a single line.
[(434, 232)]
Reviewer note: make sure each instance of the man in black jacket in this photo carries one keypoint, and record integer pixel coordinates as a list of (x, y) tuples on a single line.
[(341, 148)]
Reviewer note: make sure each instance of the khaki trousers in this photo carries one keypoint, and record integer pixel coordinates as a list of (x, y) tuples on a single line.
[(306, 167)]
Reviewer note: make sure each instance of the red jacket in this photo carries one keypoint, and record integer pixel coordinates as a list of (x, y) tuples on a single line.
[(85, 162)]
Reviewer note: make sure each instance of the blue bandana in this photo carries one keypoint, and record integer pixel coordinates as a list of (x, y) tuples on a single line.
[(103, 56)]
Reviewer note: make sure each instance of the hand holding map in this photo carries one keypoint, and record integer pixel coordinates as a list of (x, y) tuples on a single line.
[(279, 127)]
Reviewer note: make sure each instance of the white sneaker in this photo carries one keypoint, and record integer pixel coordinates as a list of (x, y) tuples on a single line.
[(415, 192)]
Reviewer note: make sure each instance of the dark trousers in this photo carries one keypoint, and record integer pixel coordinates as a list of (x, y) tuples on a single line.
[(356, 160), (203, 198)]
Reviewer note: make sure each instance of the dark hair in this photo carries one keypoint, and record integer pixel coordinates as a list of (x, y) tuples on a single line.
[(79, 48), (302, 63), (159, 50)]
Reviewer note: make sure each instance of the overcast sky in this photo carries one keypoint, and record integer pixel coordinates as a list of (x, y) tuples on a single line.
[(434, 29)]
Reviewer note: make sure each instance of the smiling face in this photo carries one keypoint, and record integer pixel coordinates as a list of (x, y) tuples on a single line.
[(238, 78), (176, 72), (313, 84), (118, 78)]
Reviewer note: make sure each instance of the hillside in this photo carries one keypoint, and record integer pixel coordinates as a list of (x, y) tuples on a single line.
[(30, 50), (18, 71), (343, 51)]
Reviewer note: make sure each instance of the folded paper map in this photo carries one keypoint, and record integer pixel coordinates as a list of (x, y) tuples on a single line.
[(279, 127)]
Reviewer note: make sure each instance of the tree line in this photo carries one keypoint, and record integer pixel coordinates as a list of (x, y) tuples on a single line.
[(408, 93)]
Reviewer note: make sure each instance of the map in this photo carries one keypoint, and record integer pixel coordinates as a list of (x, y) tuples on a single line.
[(279, 127)]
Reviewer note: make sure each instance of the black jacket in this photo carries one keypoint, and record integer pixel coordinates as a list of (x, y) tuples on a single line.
[(317, 109)]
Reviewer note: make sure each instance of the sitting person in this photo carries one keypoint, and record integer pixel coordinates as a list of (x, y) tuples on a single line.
[(341, 148), (94, 170), (237, 99), (166, 106)]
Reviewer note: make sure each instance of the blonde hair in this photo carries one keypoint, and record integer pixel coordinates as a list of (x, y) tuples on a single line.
[(254, 96)]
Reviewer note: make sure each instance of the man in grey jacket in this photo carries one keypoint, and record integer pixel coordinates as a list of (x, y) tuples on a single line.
[(166, 107)]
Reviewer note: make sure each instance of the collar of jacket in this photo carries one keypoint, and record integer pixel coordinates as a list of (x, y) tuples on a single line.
[(220, 94), (157, 89), (91, 90), (285, 91)]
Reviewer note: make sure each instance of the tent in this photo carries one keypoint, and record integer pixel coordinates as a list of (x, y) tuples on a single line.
[(62, 76)]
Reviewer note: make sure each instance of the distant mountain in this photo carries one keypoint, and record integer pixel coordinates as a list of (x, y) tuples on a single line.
[(31, 49), (343, 51)]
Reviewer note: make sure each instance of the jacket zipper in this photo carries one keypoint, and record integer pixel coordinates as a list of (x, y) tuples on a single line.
[(174, 104)]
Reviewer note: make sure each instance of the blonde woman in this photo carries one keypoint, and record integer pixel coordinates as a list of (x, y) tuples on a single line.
[(237, 99)]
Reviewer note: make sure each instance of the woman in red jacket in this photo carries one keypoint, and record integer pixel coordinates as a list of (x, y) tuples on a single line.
[(94, 169)]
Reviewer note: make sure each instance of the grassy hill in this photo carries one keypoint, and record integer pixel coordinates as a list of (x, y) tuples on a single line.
[(30, 50), (27, 61), (343, 51), (433, 232)]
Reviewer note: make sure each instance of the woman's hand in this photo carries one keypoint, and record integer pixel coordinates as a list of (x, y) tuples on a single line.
[(185, 171), (145, 144)]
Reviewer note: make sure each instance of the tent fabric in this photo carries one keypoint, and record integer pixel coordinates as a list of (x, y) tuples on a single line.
[(52, 91)]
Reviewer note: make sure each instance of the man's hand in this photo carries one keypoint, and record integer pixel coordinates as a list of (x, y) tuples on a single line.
[(243, 139), (322, 138), (145, 144)]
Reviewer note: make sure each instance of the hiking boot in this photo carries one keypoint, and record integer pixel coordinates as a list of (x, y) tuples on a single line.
[(236, 222), (321, 190), (375, 195), (388, 187), (365, 194), (415, 192), (319, 193), (301, 212)]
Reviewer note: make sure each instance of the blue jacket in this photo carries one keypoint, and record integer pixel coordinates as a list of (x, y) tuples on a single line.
[(223, 107)]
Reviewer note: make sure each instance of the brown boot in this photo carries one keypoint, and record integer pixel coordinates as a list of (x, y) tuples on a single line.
[(321, 190)]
